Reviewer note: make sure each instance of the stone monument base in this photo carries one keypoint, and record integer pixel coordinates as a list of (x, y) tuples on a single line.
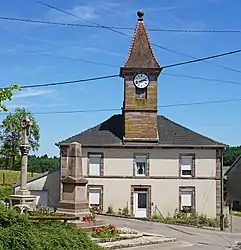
[(74, 200), (19, 199), (79, 209)]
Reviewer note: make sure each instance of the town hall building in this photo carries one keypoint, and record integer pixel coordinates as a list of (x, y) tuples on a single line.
[(142, 160)]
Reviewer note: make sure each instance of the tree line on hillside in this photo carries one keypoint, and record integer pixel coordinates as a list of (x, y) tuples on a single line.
[(231, 154), (36, 164)]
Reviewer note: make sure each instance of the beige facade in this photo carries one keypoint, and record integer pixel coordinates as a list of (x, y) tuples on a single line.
[(144, 160), (163, 178)]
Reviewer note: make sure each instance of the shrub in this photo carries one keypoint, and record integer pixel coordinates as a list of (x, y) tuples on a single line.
[(5, 191), (125, 211), (10, 217), (95, 209), (192, 219), (17, 233), (110, 210)]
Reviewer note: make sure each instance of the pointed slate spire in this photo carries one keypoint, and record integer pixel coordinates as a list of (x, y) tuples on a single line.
[(141, 54)]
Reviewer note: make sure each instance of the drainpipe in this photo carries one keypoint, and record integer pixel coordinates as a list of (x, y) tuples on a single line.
[(221, 194)]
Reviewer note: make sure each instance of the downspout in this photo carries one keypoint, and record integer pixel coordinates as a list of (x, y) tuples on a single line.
[(221, 190), (221, 195)]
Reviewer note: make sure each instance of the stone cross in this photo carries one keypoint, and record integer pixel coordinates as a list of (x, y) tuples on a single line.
[(25, 147)]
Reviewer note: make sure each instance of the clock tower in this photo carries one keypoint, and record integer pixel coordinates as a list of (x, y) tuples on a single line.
[(140, 73)]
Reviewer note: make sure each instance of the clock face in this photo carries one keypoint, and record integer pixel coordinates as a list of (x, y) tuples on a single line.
[(141, 81)]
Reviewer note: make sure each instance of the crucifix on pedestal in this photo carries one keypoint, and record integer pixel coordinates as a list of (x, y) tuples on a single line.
[(23, 195), (24, 148)]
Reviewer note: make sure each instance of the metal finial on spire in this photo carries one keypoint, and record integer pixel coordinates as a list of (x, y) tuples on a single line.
[(140, 15)]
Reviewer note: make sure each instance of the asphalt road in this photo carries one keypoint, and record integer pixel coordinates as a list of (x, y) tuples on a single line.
[(187, 238)]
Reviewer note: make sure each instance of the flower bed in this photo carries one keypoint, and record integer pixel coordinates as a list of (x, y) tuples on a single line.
[(107, 231), (121, 234), (89, 218), (131, 238)]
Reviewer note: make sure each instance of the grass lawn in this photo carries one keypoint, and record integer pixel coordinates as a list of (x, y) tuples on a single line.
[(12, 177), (236, 213)]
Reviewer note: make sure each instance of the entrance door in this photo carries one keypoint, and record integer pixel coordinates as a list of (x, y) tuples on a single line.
[(140, 204)]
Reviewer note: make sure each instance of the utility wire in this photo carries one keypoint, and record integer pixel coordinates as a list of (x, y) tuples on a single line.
[(112, 65), (65, 57), (116, 75), (116, 27), (66, 82), (202, 59), (122, 33), (82, 18), (202, 78), (160, 106)]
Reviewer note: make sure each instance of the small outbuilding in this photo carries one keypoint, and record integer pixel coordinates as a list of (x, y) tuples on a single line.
[(45, 186)]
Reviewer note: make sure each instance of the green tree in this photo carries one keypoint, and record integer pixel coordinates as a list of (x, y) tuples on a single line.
[(6, 95), (231, 155), (11, 135), (41, 164)]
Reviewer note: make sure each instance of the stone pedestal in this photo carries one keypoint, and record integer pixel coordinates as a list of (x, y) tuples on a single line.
[(18, 199), (74, 194), (74, 200), (23, 196)]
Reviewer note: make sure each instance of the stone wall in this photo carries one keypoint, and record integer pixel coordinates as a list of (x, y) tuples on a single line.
[(140, 125)]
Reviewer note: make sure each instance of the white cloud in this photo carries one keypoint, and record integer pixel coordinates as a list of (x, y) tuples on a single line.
[(102, 51), (31, 92), (83, 11), (109, 5), (215, 1)]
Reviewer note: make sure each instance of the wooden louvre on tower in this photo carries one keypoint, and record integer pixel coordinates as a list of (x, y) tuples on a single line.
[(140, 73)]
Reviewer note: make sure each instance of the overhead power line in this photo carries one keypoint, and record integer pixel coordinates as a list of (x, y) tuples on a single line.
[(115, 27), (122, 33), (66, 82), (112, 109), (65, 57), (202, 78), (116, 75), (203, 59)]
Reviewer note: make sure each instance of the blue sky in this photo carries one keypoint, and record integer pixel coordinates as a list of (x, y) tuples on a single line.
[(17, 65)]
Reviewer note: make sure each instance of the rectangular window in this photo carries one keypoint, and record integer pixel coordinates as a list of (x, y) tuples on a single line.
[(95, 197), (187, 165), (95, 164), (140, 165), (187, 199), (141, 93)]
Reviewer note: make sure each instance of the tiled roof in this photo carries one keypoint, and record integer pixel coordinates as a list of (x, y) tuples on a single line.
[(141, 54), (110, 132)]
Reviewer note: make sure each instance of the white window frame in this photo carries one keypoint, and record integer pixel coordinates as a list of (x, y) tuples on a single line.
[(95, 190), (188, 167), (140, 159), (96, 157), (184, 191)]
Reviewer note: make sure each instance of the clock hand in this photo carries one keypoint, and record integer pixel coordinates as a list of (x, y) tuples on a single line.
[(143, 80)]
